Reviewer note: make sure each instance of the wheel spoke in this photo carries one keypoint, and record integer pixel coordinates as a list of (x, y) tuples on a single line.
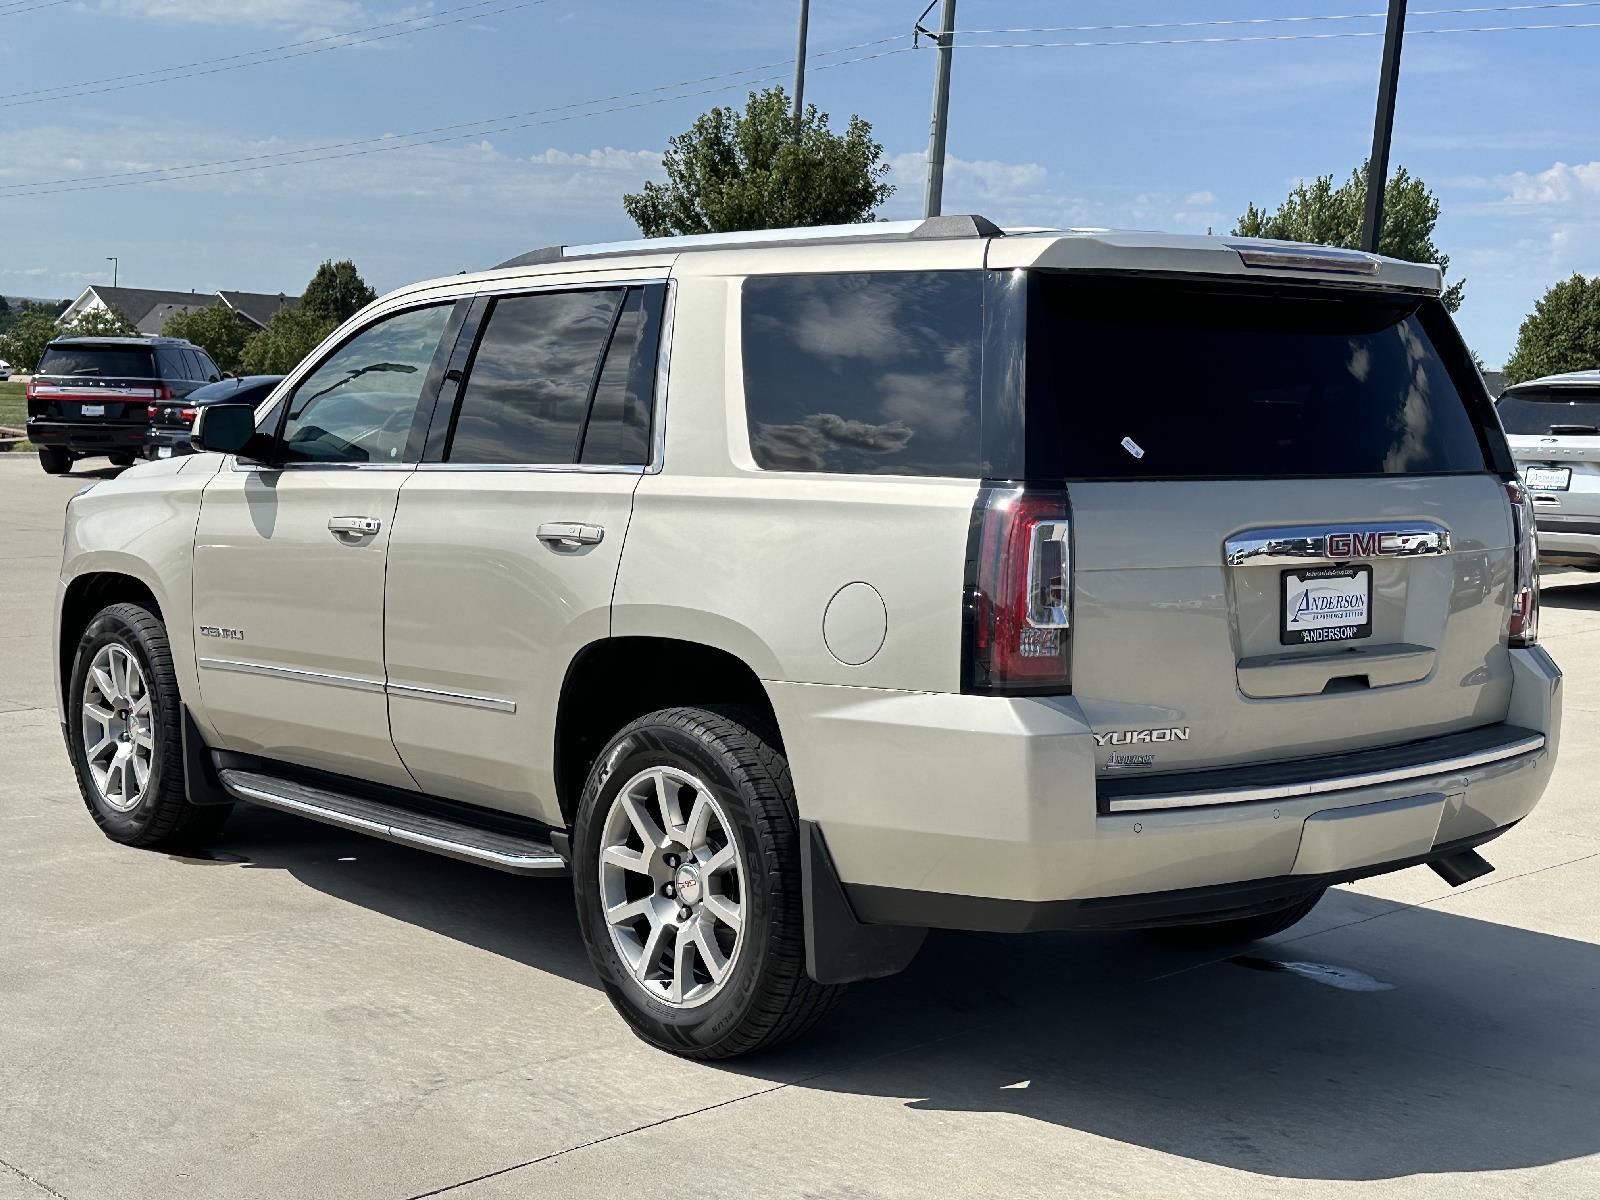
[(628, 860), (142, 737), (102, 683), (721, 860), (119, 674), (682, 968), (694, 829), (667, 792), (643, 824), (710, 953), (724, 910), (98, 712), (651, 952), (99, 748), (629, 910), (141, 706), (141, 772)]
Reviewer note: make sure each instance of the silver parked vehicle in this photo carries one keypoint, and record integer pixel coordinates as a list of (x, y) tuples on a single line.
[(800, 592), (1553, 426)]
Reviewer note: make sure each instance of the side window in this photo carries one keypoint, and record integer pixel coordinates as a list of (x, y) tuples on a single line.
[(171, 364), (207, 369), (870, 373), (528, 384), (357, 407), (618, 432)]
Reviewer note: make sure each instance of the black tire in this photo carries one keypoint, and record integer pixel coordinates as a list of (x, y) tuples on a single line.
[(769, 998), (55, 460), (1238, 930), (163, 818), (122, 460)]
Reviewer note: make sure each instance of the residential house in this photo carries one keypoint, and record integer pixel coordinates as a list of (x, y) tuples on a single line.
[(149, 309)]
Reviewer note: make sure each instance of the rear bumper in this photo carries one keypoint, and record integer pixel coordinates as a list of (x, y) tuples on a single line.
[(1569, 541), (937, 804), (84, 437), (173, 441)]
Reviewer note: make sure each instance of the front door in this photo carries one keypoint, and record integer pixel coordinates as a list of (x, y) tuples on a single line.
[(289, 558)]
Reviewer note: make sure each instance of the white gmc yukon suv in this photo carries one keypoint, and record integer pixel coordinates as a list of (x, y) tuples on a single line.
[(799, 592)]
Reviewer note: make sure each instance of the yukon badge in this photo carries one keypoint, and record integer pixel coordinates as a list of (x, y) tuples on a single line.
[(1130, 737)]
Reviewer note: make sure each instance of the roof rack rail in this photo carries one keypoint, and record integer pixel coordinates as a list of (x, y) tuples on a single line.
[(954, 226)]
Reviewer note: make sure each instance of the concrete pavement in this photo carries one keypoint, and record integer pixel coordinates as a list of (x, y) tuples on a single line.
[(305, 1013)]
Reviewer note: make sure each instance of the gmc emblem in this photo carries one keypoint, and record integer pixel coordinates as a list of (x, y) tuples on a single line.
[(1371, 544)]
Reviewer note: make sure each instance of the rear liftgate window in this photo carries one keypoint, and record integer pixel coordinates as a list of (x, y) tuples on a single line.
[(1553, 410), (870, 373), (99, 362), (1155, 380)]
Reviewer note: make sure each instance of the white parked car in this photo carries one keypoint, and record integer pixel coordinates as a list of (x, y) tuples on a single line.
[(800, 592)]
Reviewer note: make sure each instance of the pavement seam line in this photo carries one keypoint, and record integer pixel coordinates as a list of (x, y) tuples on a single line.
[(600, 1141), (26, 1178)]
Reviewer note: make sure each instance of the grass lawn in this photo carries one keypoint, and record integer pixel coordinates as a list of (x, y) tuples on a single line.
[(13, 407)]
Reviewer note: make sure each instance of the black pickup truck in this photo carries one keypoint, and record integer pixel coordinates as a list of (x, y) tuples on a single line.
[(92, 396)]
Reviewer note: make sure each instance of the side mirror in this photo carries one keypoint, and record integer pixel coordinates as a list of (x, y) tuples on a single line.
[(224, 428)]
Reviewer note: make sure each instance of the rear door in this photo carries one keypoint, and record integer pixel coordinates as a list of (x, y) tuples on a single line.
[(1289, 536), (94, 384), (507, 540), (1554, 431), (289, 555)]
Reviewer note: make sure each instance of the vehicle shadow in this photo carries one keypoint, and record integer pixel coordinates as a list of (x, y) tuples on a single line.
[(1447, 1044), (1571, 593)]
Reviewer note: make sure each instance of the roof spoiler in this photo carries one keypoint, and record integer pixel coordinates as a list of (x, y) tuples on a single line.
[(964, 225)]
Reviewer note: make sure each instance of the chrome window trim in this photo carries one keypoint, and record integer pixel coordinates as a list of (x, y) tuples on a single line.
[(1339, 783), (353, 682), (658, 420), (413, 692), (1296, 545)]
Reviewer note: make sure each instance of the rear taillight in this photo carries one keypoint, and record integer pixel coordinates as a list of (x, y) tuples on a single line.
[(188, 415), (151, 411), (163, 393), (1523, 628), (1019, 589), (32, 389)]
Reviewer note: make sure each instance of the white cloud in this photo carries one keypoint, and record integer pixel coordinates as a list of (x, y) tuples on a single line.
[(1562, 184), (1200, 200), (244, 12), (607, 158)]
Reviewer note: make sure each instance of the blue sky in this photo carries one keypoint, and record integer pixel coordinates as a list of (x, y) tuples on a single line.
[(1178, 137)]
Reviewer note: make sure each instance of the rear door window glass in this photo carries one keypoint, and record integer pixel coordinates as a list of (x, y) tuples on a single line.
[(104, 362), (1537, 412), (618, 432), (358, 406), (528, 385), (1147, 379), (864, 373)]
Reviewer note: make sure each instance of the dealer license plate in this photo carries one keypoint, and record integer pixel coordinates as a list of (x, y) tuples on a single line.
[(1548, 479), (94, 410), (163, 451), (1326, 604)]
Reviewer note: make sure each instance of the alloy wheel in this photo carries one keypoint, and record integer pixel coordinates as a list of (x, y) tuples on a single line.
[(119, 738)]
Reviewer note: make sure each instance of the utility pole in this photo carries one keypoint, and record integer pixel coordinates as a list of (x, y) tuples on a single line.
[(113, 261), (1383, 127), (800, 69), (933, 198)]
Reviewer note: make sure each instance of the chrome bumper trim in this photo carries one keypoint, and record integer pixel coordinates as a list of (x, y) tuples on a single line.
[(1338, 783)]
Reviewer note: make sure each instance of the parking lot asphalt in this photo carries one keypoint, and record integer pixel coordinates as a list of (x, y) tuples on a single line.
[(308, 1013)]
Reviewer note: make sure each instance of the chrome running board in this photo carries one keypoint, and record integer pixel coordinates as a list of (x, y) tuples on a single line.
[(504, 851)]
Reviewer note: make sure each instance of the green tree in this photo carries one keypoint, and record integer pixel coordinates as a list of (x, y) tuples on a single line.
[(1562, 333), (32, 326), (99, 322), (291, 335), (5, 314), (733, 171), (337, 291), (216, 329), (1331, 216)]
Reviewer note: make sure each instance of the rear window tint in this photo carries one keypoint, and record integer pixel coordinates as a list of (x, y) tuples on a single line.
[(870, 373), (1145, 379), (618, 432), (1552, 410), (102, 361)]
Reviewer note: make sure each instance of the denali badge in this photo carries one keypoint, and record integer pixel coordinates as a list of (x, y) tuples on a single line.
[(1128, 737), (222, 631)]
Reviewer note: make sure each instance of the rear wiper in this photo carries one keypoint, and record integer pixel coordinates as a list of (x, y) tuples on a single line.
[(1574, 429)]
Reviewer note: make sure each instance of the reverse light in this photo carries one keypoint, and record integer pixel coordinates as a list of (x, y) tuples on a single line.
[(1017, 617), (1523, 627)]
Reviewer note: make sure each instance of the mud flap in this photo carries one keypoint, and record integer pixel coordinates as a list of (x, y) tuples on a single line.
[(839, 948), (200, 781)]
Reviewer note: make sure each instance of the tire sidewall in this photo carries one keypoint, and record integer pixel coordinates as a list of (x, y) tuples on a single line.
[(111, 626), (652, 744)]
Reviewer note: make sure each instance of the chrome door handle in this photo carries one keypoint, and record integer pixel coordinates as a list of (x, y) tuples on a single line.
[(570, 534), (354, 526)]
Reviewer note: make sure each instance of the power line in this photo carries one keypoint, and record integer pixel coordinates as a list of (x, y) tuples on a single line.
[(170, 74), (1366, 16), (17, 12), (1265, 37), (400, 142)]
